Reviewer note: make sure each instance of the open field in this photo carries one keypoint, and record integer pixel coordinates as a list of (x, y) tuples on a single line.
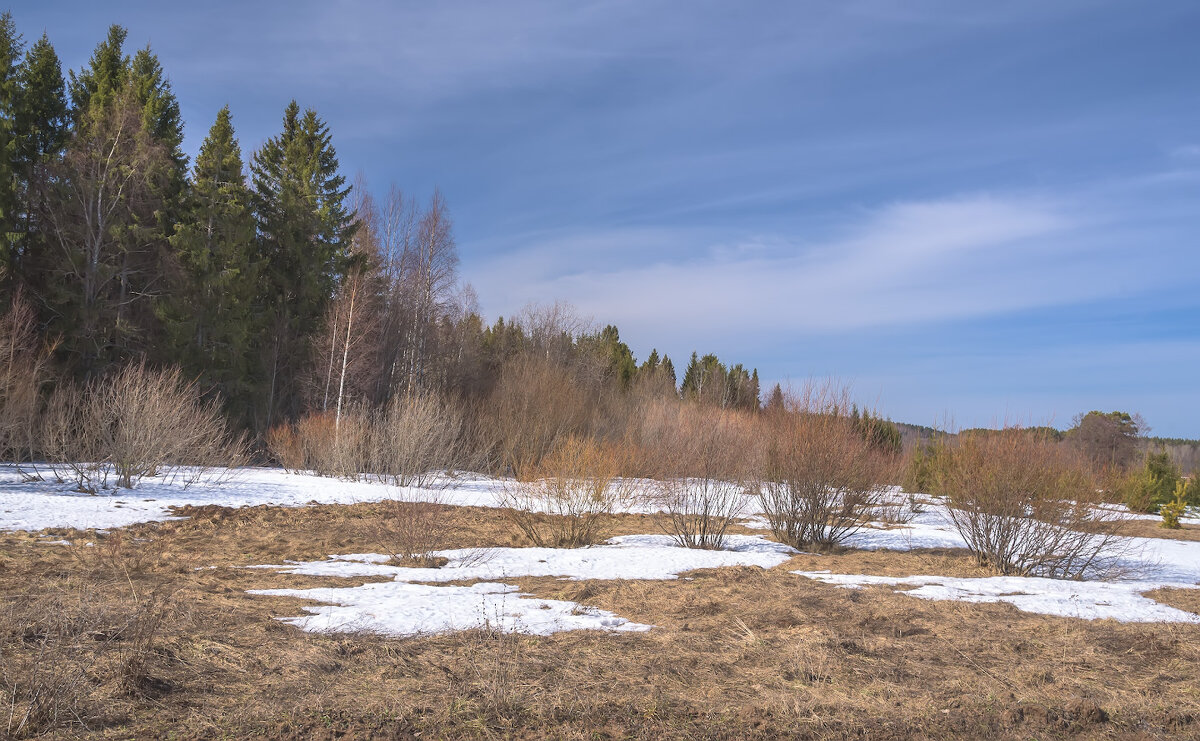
[(150, 632)]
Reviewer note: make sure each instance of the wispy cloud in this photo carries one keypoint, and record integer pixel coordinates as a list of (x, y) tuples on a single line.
[(898, 264)]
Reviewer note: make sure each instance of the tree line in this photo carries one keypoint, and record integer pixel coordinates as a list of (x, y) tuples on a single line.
[(278, 285)]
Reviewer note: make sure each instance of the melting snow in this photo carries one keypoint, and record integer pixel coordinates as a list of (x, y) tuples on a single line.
[(401, 607), (1091, 600), (1152, 562)]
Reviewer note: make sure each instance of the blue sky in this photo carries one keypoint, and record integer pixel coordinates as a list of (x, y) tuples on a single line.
[(973, 211)]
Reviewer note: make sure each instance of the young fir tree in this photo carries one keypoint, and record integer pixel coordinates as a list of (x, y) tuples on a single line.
[(775, 402), (668, 371), (305, 229), (208, 314), (42, 128)]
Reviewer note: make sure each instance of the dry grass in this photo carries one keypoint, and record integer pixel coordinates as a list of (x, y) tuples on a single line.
[(737, 653), (1154, 529), (1182, 599)]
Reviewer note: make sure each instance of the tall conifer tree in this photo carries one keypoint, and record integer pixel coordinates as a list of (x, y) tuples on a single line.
[(305, 230), (10, 94), (208, 314), (42, 132), (107, 224)]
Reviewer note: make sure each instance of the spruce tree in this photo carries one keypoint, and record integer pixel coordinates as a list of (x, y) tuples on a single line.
[(651, 363), (208, 314), (160, 108), (775, 402), (692, 376), (668, 370), (97, 85), (11, 47), (107, 221), (42, 130), (305, 231)]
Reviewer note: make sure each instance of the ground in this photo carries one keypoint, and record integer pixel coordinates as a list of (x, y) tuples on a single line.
[(158, 620)]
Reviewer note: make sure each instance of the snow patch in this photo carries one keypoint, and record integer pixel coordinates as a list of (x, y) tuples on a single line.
[(403, 608), (1090, 600)]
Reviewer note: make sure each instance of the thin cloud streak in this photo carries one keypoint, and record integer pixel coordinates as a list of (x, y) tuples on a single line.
[(905, 263)]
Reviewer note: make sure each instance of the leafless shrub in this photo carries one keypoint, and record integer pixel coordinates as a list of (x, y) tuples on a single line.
[(24, 370), (416, 439), (346, 448), (895, 508), (154, 420), (822, 478), (706, 471), (327, 444), (412, 529), (536, 403), (139, 422), (70, 439), (567, 501), (410, 443), (287, 447), (1026, 505)]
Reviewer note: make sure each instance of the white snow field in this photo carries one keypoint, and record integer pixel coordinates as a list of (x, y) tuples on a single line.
[(36, 505), (402, 607), (397, 606)]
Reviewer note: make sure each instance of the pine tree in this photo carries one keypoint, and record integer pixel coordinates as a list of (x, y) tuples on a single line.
[(209, 314), (304, 231)]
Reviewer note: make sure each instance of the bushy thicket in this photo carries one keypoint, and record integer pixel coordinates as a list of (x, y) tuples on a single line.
[(567, 499), (137, 423), (1027, 505), (823, 478)]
